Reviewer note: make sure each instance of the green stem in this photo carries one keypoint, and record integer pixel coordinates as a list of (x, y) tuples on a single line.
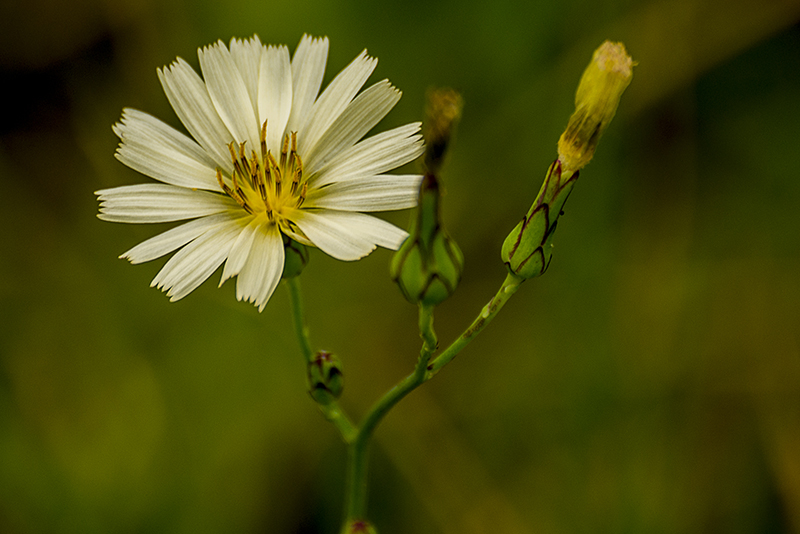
[(357, 454), (332, 412), (336, 416), (509, 287), (298, 317), (425, 370)]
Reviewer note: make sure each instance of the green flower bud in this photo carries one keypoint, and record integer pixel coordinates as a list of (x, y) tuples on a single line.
[(428, 266), (296, 257), (528, 248), (596, 100), (325, 379)]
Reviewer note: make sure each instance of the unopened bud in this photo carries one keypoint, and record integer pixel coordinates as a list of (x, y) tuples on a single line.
[(528, 248), (325, 379), (596, 100), (428, 266), (296, 257)]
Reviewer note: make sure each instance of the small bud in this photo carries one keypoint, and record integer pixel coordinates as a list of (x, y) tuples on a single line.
[(325, 379), (596, 100), (359, 526), (528, 248), (296, 257), (428, 266), (442, 113)]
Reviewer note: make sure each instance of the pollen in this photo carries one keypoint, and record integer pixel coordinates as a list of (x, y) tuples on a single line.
[(264, 186)]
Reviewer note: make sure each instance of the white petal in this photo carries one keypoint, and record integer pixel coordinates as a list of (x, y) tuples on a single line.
[(189, 98), (308, 68), (229, 93), (195, 262), (275, 94), (333, 100), (374, 155), (173, 239), (348, 236), (299, 237), (157, 150), (152, 203), (364, 112), (264, 267), (239, 251), (373, 193), (247, 56)]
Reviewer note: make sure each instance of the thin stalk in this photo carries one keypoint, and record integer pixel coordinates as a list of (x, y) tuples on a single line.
[(332, 411), (356, 503), (509, 287), (298, 318), (356, 492)]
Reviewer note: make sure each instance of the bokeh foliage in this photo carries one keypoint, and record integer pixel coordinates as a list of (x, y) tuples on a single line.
[(648, 383)]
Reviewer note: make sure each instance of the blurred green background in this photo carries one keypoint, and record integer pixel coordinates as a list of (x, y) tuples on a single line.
[(649, 383)]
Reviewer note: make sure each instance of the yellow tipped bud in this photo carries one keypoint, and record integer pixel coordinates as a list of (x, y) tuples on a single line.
[(596, 100)]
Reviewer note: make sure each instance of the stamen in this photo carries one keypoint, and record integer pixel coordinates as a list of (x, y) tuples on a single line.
[(222, 184), (284, 150), (258, 178), (243, 159), (268, 170), (266, 176), (235, 195), (274, 173), (297, 175), (235, 158), (238, 189), (302, 197), (264, 140)]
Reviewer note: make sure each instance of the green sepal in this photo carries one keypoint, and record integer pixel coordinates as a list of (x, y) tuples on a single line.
[(528, 248), (406, 269), (296, 257), (428, 266), (325, 378)]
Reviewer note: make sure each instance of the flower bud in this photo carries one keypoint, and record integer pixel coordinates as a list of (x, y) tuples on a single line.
[(325, 379), (528, 248), (296, 257), (428, 266), (596, 100)]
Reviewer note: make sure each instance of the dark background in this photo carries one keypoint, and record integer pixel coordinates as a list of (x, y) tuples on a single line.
[(648, 383)]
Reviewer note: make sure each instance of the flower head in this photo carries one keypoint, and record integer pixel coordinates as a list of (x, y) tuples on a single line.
[(270, 161)]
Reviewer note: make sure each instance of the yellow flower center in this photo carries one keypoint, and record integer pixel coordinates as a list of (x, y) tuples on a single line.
[(265, 187)]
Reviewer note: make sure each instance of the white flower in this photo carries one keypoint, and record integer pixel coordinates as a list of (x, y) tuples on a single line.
[(269, 161)]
